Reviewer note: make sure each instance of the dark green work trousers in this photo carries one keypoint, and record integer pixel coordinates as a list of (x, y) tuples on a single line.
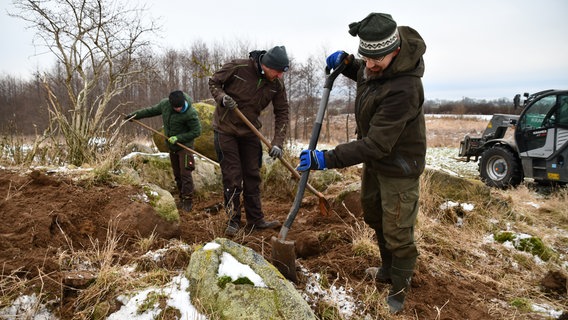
[(183, 165), (390, 207)]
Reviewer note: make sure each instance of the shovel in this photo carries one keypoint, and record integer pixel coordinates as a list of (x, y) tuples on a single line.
[(323, 204), (177, 143), (283, 251)]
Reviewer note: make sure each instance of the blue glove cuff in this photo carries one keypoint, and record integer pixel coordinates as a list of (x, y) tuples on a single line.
[(320, 159)]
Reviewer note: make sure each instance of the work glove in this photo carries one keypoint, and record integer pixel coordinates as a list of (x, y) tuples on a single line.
[(228, 102), (173, 139), (130, 116), (311, 160), (335, 59), (275, 152)]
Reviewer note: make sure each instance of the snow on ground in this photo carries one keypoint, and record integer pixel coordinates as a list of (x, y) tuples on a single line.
[(28, 307)]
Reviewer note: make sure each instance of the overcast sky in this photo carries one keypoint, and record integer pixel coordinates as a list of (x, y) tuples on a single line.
[(482, 49)]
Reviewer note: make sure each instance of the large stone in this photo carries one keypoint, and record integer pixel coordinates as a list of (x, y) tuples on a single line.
[(204, 143), (228, 300), (156, 168), (151, 212)]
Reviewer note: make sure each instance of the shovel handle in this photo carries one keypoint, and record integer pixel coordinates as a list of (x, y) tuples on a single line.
[(313, 143), (177, 143), (267, 143)]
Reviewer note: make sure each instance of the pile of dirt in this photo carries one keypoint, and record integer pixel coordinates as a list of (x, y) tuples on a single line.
[(44, 214)]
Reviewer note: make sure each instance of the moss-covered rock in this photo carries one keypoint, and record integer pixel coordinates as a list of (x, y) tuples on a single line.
[(204, 143), (455, 188), (162, 201), (530, 244), (239, 299), (156, 169)]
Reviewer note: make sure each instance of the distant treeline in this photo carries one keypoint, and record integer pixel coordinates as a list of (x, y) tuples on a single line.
[(23, 102)]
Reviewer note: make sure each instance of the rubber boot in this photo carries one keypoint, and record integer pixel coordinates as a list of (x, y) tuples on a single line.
[(187, 204), (401, 275), (384, 272)]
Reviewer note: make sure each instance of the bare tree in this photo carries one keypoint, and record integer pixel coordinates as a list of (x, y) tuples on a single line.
[(97, 43), (310, 75)]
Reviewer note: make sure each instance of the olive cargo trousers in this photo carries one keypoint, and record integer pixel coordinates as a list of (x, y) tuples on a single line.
[(390, 207)]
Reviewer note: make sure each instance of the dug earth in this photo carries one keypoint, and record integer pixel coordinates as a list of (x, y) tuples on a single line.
[(49, 216)]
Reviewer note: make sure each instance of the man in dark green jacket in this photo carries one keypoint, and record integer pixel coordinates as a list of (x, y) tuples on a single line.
[(391, 141), (181, 125)]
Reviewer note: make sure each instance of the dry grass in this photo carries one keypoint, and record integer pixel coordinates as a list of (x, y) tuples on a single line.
[(447, 246)]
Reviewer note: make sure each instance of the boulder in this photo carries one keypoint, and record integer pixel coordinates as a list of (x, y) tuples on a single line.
[(156, 168), (152, 212), (264, 294), (204, 143)]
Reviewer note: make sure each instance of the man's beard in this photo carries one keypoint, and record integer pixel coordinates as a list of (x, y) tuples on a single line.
[(372, 74)]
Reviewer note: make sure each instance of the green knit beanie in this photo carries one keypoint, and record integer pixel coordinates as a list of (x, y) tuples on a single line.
[(378, 35)]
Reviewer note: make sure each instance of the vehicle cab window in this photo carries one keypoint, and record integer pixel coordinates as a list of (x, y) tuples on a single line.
[(562, 112), (535, 117)]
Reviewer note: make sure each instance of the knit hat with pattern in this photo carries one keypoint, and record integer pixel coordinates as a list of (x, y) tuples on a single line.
[(378, 35)]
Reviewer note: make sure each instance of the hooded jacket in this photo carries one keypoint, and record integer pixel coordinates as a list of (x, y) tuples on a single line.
[(391, 132), (185, 125), (244, 81)]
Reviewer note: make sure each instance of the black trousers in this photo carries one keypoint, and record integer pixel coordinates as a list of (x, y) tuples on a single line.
[(240, 159)]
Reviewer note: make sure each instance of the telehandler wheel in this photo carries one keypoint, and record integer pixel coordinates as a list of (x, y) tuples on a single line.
[(499, 167)]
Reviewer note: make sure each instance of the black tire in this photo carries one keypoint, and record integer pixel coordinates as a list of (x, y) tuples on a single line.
[(499, 167)]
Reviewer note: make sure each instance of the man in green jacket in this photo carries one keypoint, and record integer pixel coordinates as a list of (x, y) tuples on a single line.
[(391, 141), (249, 85), (181, 125)]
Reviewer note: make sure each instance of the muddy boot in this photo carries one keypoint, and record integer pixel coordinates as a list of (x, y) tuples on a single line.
[(186, 204), (401, 275), (263, 224), (382, 274), (232, 229)]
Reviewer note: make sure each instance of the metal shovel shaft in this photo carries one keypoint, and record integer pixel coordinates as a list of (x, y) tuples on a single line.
[(282, 160), (312, 145), (306, 174)]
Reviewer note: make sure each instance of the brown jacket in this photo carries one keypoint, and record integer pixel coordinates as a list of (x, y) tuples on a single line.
[(243, 80), (391, 132)]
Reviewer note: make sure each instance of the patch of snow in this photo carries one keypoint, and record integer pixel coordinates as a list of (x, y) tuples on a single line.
[(451, 204), (26, 307), (229, 266), (157, 154), (211, 246), (535, 205), (548, 310), (338, 297), (178, 297)]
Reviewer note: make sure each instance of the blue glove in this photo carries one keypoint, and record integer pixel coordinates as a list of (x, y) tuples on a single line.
[(334, 60), (173, 139), (311, 160)]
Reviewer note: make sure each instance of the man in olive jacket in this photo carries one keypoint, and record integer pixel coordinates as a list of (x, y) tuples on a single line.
[(391, 141), (249, 85), (181, 125)]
